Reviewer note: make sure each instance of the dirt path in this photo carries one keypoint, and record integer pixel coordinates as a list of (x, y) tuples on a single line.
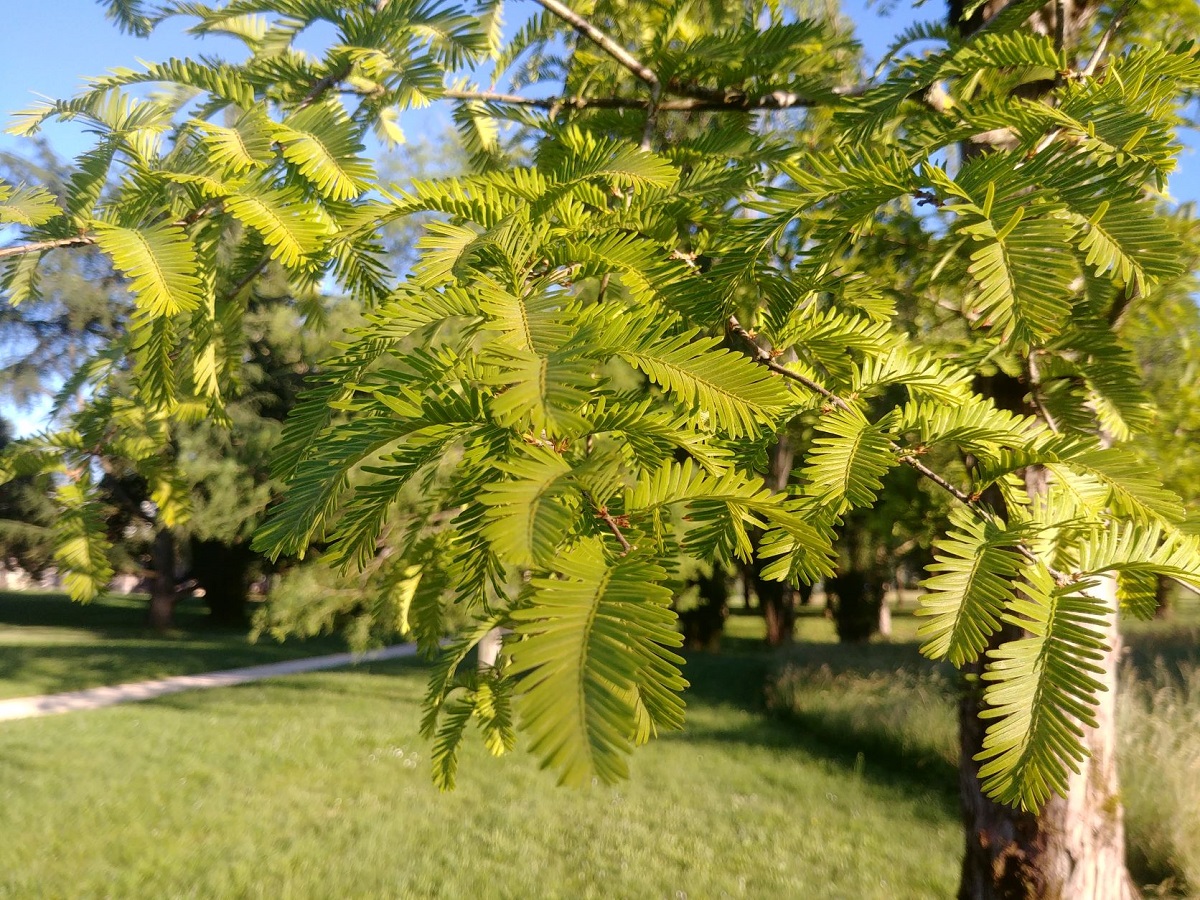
[(94, 698)]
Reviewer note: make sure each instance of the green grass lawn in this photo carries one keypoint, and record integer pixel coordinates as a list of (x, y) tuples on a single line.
[(318, 785)]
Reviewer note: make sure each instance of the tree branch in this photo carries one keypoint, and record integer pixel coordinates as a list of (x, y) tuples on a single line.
[(602, 40), (713, 101), (763, 357), (614, 525), (249, 277), (1102, 47), (78, 240), (325, 83), (651, 119)]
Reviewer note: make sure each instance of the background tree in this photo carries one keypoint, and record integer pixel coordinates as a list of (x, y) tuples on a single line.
[(25, 514)]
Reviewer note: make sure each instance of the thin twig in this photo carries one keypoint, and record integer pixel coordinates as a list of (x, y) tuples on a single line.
[(763, 357), (83, 240), (1035, 383), (1102, 47), (613, 524), (78, 240), (249, 277), (714, 101), (651, 119), (602, 40), (325, 83)]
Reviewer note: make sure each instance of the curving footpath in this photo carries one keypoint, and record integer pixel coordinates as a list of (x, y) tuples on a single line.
[(94, 698)]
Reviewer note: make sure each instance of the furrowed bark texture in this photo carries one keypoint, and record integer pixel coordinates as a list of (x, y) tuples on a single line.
[(1075, 848)]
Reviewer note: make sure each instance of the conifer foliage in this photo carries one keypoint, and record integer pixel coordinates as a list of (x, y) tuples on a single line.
[(614, 315)]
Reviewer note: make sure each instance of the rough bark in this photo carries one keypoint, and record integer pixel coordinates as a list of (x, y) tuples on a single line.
[(161, 613), (1075, 848)]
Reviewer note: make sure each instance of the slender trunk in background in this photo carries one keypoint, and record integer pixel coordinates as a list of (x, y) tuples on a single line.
[(489, 647), (777, 599), (161, 614), (1162, 598), (223, 570), (885, 618), (704, 623)]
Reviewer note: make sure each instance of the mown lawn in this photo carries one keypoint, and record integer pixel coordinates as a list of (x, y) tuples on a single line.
[(318, 786)]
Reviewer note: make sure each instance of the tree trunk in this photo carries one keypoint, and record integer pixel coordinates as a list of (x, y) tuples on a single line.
[(1073, 850), (777, 599), (489, 647), (223, 570), (161, 614), (804, 594), (778, 603), (1162, 598), (857, 599), (703, 623)]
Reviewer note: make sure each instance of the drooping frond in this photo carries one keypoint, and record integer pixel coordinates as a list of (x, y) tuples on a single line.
[(1041, 692), (531, 512), (160, 263), (848, 461), (27, 205), (321, 142), (80, 548), (293, 231), (584, 641), (973, 581), (740, 396)]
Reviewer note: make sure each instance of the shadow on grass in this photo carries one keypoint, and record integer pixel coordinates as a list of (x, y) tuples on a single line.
[(107, 642), (108, 616), (1151, 648), (739, 679)]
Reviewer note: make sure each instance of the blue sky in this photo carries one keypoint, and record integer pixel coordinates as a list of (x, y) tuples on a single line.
[(48, 47)]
